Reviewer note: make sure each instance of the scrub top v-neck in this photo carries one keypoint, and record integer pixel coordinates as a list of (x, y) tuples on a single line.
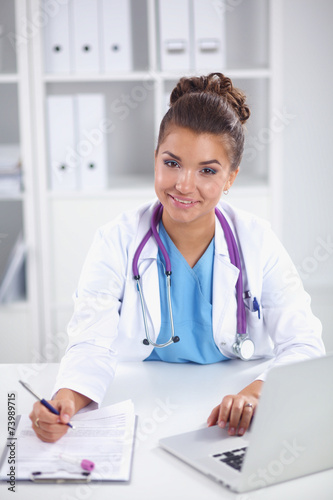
[(191, 297)]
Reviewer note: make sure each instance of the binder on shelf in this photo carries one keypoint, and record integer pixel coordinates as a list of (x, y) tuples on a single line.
[(86, 39), (116, 38), (209, 36), (91, 141), (63, 162), (57, 57), (174, 35)]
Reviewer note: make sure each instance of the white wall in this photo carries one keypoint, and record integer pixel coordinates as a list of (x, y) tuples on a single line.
[(308, 149)]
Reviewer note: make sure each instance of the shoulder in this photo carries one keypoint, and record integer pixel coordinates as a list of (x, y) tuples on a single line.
[(253, 234), (257, 241), (244, 221)]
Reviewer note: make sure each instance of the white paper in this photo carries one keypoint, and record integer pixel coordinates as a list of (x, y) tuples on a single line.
[(104, 436)]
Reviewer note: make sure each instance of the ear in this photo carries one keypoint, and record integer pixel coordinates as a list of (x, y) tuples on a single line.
[(232, 177)]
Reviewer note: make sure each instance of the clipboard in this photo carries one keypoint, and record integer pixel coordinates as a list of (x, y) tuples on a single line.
[(53, 470), (53, 477)]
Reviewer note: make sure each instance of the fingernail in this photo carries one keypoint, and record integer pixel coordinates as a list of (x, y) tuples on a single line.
[(232, 431), (65, 417), (241, 431), (222, 424)]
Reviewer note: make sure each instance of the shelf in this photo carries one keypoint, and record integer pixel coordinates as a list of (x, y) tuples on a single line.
[(15, 307), (117, 193), (12, 196), (9, 78), (98, 77), (151, 75), (231, 73)]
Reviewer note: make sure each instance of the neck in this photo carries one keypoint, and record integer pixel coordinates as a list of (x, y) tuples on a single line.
[(193, 238)]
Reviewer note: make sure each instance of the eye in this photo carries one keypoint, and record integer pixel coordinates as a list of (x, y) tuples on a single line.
[(209, 171), (171, 163)]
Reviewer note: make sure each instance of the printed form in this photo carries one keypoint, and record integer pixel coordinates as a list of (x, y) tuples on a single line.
[(104, 436)]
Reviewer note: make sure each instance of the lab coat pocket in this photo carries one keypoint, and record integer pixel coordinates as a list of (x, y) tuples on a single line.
[(255, 328)]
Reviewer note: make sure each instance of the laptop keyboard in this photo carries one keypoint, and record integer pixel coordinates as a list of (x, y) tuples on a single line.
[(234, 458)]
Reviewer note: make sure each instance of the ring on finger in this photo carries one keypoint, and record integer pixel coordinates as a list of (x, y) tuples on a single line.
[(37, 422), (249, 405)]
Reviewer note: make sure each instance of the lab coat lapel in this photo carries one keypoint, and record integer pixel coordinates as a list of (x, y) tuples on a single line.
[(224, 278)]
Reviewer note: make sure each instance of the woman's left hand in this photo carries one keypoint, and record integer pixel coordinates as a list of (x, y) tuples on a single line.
[(237, 409)]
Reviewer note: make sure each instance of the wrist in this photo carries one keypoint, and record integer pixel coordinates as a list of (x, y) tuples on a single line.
[(78, 399), (254, 389)]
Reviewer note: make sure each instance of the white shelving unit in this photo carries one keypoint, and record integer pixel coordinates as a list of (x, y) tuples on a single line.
[(19, 320), (67, 221)]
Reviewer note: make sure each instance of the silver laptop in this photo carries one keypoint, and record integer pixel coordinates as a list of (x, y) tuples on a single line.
[(291, 434)]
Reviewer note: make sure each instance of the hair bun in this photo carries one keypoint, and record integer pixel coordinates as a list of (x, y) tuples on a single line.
[(214, 83)]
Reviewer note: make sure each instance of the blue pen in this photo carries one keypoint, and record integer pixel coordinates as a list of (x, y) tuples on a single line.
[(256, 306), (43, 401)]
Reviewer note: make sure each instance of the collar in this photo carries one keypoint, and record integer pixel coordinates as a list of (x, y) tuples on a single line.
[(151, 248)]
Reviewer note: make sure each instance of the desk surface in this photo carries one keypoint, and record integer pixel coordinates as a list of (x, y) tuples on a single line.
[(168, 399)]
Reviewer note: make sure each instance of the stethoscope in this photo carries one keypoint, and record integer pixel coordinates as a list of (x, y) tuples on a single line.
[(243, 346)]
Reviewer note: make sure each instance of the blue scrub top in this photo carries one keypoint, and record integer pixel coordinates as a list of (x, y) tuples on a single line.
[(191, 298)]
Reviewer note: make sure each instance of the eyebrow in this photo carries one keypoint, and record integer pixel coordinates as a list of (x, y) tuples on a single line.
[(208, 162)]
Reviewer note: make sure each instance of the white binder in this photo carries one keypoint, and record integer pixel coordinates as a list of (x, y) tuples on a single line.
[(86, 38), (116, 33), (91, 141), (209, 36), (174, 30), (63, 158), (57, 58)]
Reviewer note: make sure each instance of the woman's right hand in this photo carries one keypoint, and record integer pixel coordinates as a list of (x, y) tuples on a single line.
[(48, 426)]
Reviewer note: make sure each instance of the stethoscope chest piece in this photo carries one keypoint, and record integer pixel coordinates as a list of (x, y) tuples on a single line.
[(243, 347)]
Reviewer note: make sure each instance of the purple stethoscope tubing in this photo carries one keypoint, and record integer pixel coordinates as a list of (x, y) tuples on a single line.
[(235, 260), (233, 254), (156, 217)]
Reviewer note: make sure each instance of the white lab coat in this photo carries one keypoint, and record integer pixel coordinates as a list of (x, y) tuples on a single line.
[(107, 323)]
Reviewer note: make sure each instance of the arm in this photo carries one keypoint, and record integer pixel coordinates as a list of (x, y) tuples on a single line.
[(287, 320), (233, 409), (50, 427)]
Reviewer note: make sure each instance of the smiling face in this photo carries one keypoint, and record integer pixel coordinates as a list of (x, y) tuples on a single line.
[(191, 172)]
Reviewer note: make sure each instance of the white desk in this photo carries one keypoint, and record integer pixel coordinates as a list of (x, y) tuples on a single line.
[(168, 398)]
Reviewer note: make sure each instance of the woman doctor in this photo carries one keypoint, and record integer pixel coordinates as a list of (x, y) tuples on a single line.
[(199, 150)]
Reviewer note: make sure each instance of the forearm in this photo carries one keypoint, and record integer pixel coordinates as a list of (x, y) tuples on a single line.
[(79, 400)]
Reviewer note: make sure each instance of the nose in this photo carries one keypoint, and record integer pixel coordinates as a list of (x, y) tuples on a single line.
[(186, 182)]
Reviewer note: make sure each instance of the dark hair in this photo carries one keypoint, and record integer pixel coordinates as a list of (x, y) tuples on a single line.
[(209, 104)]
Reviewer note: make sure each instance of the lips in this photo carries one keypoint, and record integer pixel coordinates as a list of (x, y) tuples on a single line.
[(183, 201)]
